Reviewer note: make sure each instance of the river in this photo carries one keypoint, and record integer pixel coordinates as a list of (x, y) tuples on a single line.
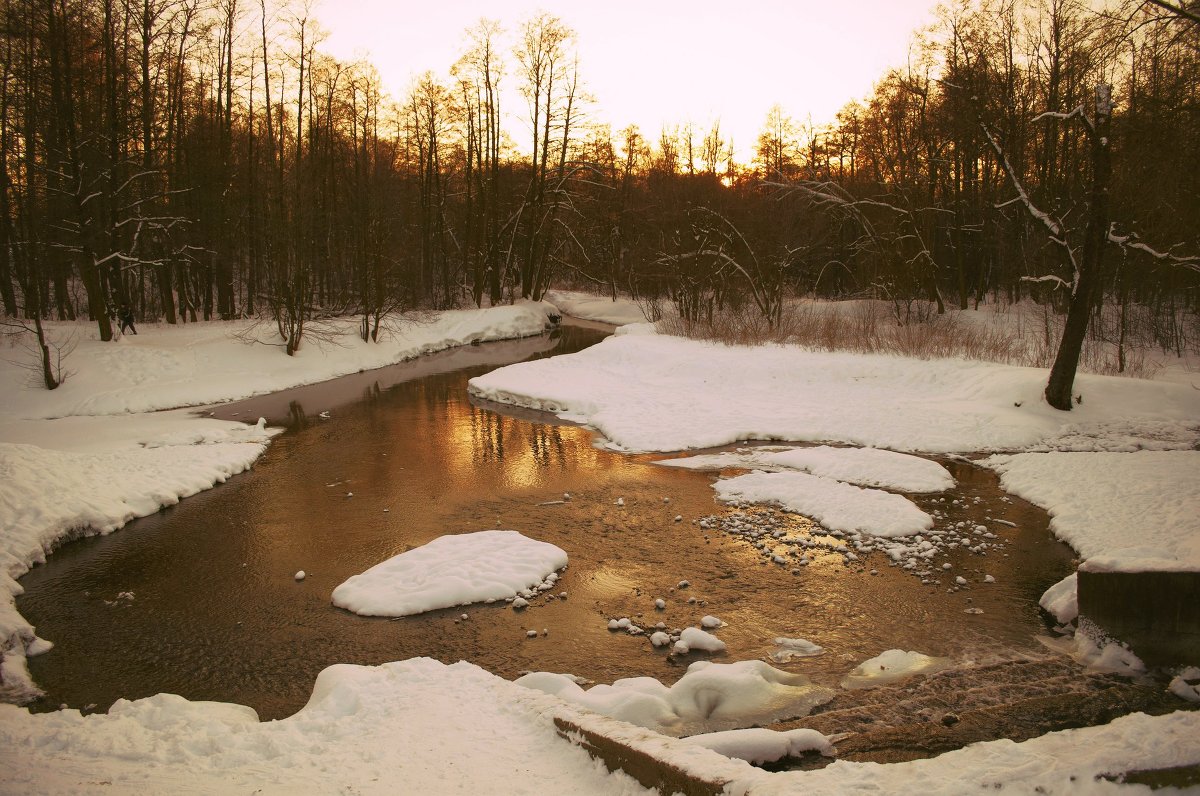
[(200, 600)]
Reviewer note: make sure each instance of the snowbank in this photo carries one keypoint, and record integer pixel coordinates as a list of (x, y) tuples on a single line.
[(863, 466), (90, 456), (596, 308), (1121, 511), (416, 726), (165, 367), (424, 727), (658, 393), (452, 570)]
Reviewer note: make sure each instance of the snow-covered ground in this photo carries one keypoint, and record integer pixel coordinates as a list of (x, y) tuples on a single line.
[(93, 454), (78, 460), (420, 726)]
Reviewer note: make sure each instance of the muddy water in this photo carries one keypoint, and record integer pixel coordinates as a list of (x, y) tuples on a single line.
[(215, 613)]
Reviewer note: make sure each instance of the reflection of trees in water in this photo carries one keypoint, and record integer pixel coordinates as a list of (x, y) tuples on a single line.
[(489, 430), (297, 419), (487, 434), (546, 442)]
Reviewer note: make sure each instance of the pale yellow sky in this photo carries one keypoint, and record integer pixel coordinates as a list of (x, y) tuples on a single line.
[(658, 63)]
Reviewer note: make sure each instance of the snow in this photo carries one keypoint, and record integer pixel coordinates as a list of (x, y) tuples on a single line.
[(452, 570), (647, 392), (836, 506), (760, 745), (863, 466), (709, 697), (1071, 761), (93, 454), (1186, 684), (693, 639), (596, 308), (1061, 600), (415, 726), (890, 666), (1125, 512)]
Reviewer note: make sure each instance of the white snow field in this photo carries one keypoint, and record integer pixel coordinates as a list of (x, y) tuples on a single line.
[(484, 566), (93, 454), (648, 392)]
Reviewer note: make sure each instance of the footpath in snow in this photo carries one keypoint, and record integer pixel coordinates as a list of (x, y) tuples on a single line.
[(95, 453)]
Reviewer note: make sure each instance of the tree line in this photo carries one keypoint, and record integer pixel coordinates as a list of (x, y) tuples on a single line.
[(203, 159)]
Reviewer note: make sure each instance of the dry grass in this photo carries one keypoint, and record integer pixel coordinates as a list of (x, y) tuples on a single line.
[(1017, 336)]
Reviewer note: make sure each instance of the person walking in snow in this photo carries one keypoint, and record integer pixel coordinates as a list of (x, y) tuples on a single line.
[(126, 316)]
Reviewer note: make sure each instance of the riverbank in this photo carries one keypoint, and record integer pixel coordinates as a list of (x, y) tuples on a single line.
[(111, 444)]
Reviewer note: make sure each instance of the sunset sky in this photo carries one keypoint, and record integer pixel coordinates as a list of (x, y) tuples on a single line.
[(658, 63)]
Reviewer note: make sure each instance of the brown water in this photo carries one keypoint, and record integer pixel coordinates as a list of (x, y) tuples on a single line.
[(216, 614)]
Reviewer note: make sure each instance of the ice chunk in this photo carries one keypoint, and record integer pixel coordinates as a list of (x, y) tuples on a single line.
[(890, 666)]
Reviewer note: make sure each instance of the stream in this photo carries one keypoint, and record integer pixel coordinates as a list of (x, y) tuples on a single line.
[(199, 599)]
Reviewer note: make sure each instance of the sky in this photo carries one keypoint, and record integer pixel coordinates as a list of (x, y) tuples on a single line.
[(659, 63)]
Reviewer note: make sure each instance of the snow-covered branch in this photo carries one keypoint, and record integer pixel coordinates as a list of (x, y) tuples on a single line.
[(1059, 281), (1052, 225), (1130, 241)]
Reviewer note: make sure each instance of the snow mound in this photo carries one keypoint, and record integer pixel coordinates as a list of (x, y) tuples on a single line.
[(890, 666), (709, 697), (1061, 600), (836, 506), (863, 466), (693, 638), (449, 571), (760, 745)]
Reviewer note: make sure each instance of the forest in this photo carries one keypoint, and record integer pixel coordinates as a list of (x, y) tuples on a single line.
[(204, 159)]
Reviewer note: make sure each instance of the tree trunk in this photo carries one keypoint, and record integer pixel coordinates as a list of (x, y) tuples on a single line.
[(1062, 373)]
